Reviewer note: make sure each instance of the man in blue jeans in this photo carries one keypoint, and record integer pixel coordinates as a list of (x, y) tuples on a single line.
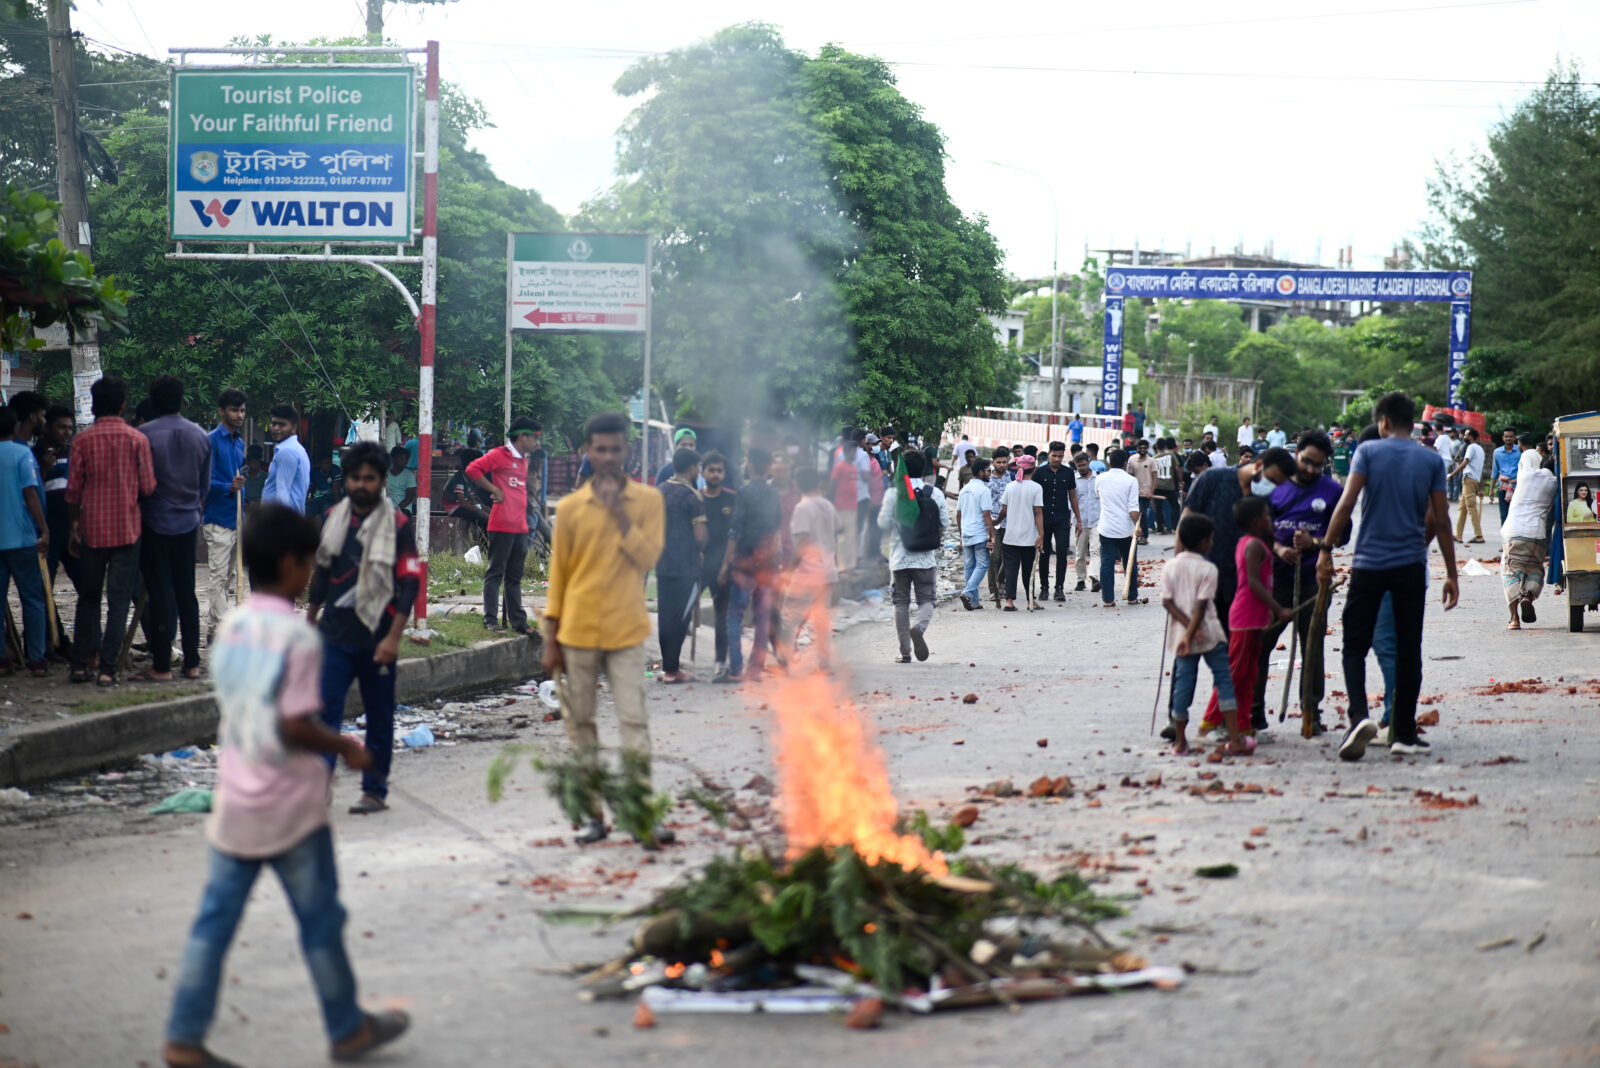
[(1401, 488), (750, 566), (977, 532), (1119, 522), (366, 581), (24, 536)]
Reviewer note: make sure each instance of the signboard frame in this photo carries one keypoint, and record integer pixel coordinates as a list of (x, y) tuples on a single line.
[(1281, 284), (583, 247), (399, 233)]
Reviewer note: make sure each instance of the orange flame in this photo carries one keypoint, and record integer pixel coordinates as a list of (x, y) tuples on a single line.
[(833, 782)]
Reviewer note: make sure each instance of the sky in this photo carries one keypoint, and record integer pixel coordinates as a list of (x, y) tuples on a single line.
[(1170, 124)]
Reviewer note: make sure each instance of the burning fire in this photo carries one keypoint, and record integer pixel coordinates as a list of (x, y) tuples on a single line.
[(833, 782)]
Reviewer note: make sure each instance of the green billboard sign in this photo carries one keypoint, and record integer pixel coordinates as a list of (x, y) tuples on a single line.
[(291, 153)]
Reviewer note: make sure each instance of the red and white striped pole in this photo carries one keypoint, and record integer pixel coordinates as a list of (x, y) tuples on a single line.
[(430, 286)]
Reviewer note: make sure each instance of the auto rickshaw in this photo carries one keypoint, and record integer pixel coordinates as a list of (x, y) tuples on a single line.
[(1577, 537)]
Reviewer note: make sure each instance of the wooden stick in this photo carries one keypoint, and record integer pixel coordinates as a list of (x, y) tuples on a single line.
[(1294, 637), (50, 607), (238, 543), (14, 649), (125, 658)]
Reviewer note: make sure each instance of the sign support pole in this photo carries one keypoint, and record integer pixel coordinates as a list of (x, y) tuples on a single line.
[(430, 287), (510, 267), (644, 458)]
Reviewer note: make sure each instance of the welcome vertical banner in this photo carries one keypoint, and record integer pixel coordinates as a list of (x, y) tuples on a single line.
[(1111, 359), (1460, 341)]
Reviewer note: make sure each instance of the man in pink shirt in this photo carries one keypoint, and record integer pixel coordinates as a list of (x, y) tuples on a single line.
[(809, 587), (503, 474)]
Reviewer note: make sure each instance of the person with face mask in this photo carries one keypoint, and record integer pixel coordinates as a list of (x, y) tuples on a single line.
[(367, 577), (1301, 507)]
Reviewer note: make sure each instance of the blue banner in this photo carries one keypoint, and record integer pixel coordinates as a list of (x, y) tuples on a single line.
[(1111, 360), (1231, 283), (291, 167), (1460, 340)]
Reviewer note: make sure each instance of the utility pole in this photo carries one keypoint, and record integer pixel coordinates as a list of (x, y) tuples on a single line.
[(374, 22), (69, 181)]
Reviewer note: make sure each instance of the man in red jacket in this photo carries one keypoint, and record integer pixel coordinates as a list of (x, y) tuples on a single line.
[(503, 474)]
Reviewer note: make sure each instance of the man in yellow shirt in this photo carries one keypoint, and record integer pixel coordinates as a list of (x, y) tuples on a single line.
[(608, 536)]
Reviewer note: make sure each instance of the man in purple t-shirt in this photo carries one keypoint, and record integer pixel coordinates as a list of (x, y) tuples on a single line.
[(1301, 508)]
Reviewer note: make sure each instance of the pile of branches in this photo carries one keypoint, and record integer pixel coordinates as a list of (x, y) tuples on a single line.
[(752, 921)]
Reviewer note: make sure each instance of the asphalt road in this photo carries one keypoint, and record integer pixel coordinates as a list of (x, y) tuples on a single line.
[(1353, 935)]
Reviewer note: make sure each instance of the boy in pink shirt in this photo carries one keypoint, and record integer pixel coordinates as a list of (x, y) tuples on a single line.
[(271, 801)]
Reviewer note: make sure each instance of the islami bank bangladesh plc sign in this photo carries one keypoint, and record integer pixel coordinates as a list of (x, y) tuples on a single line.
[(291, 153)]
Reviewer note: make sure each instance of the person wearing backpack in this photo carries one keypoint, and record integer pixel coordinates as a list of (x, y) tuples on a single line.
[(913, 550)]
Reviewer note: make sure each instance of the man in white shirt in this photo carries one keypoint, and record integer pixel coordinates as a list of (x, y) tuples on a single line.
[(1247, 433), (1211, 428), (912, 570), (1118, 492), (977, 532), (1022, 512), (1442, 445), (1276, 438), (1470, 470), (1214, 454), (1083, 534)]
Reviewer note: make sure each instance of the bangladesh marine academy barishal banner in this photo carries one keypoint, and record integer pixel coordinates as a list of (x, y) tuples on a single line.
[(286, 153), (1231, 283)]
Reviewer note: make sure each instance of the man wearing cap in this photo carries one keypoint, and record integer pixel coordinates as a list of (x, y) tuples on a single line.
[(683, 438), (503, 474)]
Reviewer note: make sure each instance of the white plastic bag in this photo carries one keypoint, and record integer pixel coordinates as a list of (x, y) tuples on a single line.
[(474, 555)]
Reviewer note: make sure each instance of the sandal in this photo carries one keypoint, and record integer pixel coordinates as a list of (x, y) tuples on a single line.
[(1245, 746), (381, 1029), (79, 675), (208, 1060), (149, 676), (1513, 625), (105, 680)]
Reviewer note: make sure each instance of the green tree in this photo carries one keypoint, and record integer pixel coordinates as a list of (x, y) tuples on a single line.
[(1210, 329), (810, 261), (41, 283), (1521, 214)]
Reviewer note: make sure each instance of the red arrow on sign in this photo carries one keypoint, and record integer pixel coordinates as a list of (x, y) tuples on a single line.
[(544, 318)]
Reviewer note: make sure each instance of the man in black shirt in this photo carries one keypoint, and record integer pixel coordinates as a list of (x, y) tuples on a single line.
[(678, 570), (366, 582), (755, 551), (1060, 486), (719, 502)]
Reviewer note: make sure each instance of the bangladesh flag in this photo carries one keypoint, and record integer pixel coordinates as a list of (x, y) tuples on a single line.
[(905, 494)]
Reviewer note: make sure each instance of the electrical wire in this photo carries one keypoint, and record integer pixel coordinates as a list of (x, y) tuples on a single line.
[(300, 322), (288, 347)]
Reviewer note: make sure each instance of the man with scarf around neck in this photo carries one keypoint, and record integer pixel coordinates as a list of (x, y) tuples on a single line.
[(366, 581)]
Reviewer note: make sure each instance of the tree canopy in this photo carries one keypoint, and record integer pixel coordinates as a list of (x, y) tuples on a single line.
[(809, 259), (1522, 216)]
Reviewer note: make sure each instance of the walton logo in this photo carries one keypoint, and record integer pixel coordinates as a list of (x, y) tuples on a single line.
[(220, 211)]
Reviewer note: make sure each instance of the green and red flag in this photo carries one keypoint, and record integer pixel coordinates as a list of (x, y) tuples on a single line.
[(905, 494)]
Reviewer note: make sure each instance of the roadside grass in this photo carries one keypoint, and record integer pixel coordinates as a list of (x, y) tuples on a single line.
[(452, 633), (126, 698)]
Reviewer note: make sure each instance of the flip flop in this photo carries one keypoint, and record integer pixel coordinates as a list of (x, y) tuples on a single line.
[(382, 1028), (147, 676)]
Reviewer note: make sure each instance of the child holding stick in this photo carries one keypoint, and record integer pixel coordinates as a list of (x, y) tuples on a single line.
[(1188, 593), (271, 802), (1253, 608)]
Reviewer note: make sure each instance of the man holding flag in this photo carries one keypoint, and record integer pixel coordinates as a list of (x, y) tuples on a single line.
[(915, 517)]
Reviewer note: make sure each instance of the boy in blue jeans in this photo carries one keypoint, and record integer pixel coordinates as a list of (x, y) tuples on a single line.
[(271, 801), (1188, 592)]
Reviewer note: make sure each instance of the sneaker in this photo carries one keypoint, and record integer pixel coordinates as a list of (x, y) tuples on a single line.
[(1356, 739), (368, 805), (903, 658), (592, 832), (1078, 588), (1169, 733), (1528, 614), (1416, 748), (1094, 585), (919, 643), (966, 602), (1061, 594), (1385, 735), (725, 677)]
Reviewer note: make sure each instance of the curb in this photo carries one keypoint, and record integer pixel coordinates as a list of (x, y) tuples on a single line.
[(44, 751)]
